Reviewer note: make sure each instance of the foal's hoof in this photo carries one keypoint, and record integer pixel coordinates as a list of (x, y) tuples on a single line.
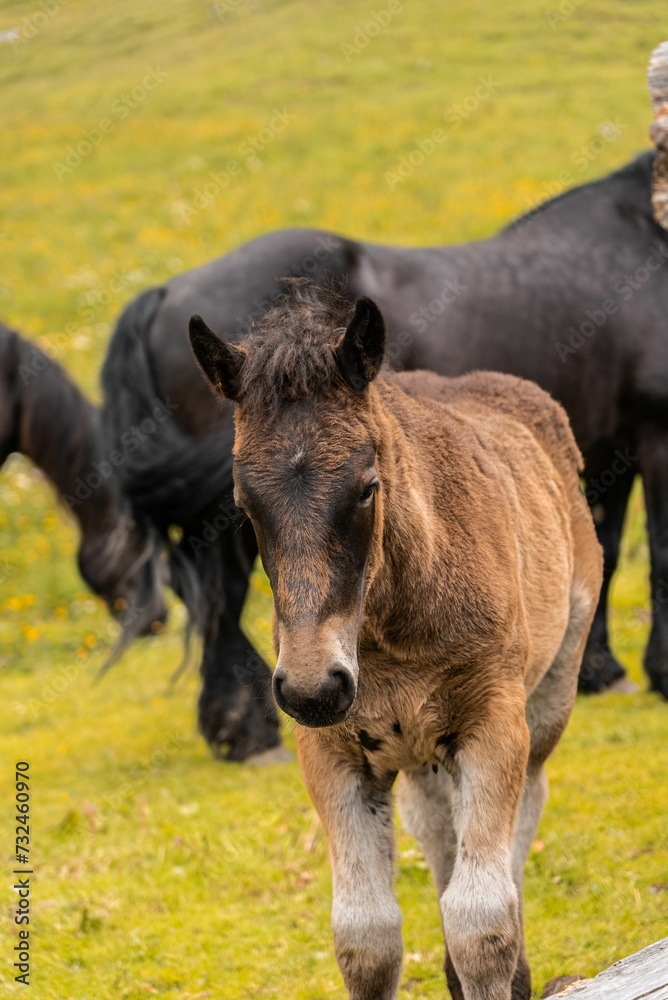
[(599, 671), (560, 983)]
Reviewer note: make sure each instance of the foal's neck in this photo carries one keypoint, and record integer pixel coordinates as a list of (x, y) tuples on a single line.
[(58, 430), (413, 545)]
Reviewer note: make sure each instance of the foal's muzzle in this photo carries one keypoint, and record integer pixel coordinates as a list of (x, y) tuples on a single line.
[(326, 704)]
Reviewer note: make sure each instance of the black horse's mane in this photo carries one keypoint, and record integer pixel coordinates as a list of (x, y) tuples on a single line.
[(55, 423), (639, 169), (172, 481)]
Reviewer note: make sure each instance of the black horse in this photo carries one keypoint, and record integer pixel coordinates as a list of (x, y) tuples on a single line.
[(573, 296), (44, 416)]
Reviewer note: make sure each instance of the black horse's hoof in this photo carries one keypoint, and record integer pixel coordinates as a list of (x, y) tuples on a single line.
[(240, 730), (656, 660), (237, 740), (599, 671), (658, 682)]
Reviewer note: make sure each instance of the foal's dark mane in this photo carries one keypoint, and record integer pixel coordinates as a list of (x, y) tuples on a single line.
[(290, 348)]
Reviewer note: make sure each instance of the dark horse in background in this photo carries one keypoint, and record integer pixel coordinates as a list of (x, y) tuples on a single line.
[(47, 418), (573, 296)]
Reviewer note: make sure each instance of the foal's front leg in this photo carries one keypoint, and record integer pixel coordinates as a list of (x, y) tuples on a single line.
[(355, 806), (481, 908)]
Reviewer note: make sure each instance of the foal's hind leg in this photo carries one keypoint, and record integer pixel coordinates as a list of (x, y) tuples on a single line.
[(426, 813), (547, 712), (423, 797)]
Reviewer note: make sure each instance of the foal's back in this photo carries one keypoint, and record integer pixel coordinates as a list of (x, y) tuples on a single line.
[(516, 444), (485, 396)]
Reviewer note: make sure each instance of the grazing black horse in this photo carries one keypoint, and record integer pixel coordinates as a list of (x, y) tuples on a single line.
[(573, 296), (44, 416)]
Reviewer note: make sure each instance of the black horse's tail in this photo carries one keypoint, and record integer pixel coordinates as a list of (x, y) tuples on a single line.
[(10, 349), (174, 482)]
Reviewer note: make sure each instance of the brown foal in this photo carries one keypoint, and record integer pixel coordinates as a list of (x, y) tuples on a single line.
[(435, 570)]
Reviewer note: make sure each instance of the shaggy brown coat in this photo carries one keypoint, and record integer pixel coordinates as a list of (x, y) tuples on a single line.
[(435, 570)]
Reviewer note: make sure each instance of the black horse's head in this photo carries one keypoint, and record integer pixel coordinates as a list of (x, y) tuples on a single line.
[(47, 418), (123, 563)]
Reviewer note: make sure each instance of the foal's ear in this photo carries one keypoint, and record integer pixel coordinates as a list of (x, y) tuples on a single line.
[(220, 362), (359, 355)]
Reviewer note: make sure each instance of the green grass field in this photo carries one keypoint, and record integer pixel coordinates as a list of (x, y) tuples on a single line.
[(140, 139)]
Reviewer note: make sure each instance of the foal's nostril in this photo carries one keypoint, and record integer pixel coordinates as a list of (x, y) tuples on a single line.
[(343, 687), (277, 684)]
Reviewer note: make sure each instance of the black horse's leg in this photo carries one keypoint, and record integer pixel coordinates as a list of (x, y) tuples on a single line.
[(653, 451), (239, 554), (237, 714), (608, 487)]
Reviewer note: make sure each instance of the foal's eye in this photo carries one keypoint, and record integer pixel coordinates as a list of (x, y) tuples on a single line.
[(367, 493)]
